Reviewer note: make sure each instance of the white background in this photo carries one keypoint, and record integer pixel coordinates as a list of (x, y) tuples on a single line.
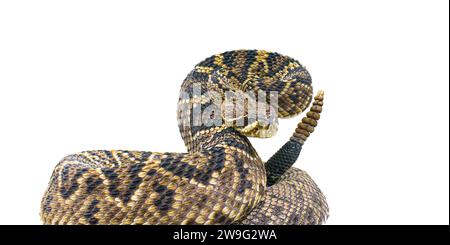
[(80, 75)]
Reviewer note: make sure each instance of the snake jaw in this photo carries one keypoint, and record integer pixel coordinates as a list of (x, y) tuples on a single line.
[(248, 120), (258, 129), (264, 128)]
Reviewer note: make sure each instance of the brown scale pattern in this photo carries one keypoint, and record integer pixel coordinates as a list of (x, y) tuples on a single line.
[(294, 200), (220, 180)]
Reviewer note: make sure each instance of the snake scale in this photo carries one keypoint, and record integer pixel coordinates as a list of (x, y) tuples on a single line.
[(220, 179)]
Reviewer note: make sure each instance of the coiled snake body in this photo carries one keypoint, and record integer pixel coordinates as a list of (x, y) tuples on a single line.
[(221, 179)]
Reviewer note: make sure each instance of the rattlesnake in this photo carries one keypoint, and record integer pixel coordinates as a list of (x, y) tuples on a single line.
[(221, 179)]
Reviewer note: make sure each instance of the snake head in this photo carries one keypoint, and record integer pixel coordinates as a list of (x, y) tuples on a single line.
[(251, 117)]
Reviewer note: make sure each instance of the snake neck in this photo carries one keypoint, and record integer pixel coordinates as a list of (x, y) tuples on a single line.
[(204, 138), (202, 127), (199, 112)]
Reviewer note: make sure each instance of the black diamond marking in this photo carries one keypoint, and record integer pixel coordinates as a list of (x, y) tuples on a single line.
[(243, 182), (145, 155), (91, 211), (92, 183), (174, 165), (135, 181), (228, 58), (251, 57), (46, 206), (151, 172), (112, 176), (165, 199), (209, 62), (111, 157), (199, 76), (283, 64), (65, 174), (65, 193), (270, 60), (260, 69), (216, 162), (160, 188)]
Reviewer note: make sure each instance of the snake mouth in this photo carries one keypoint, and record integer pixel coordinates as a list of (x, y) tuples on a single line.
[(260, 129), (260, 124), (265, 126), (251, 115)]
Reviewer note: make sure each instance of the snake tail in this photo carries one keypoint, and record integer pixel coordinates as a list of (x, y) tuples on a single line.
[(308, 123), (286, 156)]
